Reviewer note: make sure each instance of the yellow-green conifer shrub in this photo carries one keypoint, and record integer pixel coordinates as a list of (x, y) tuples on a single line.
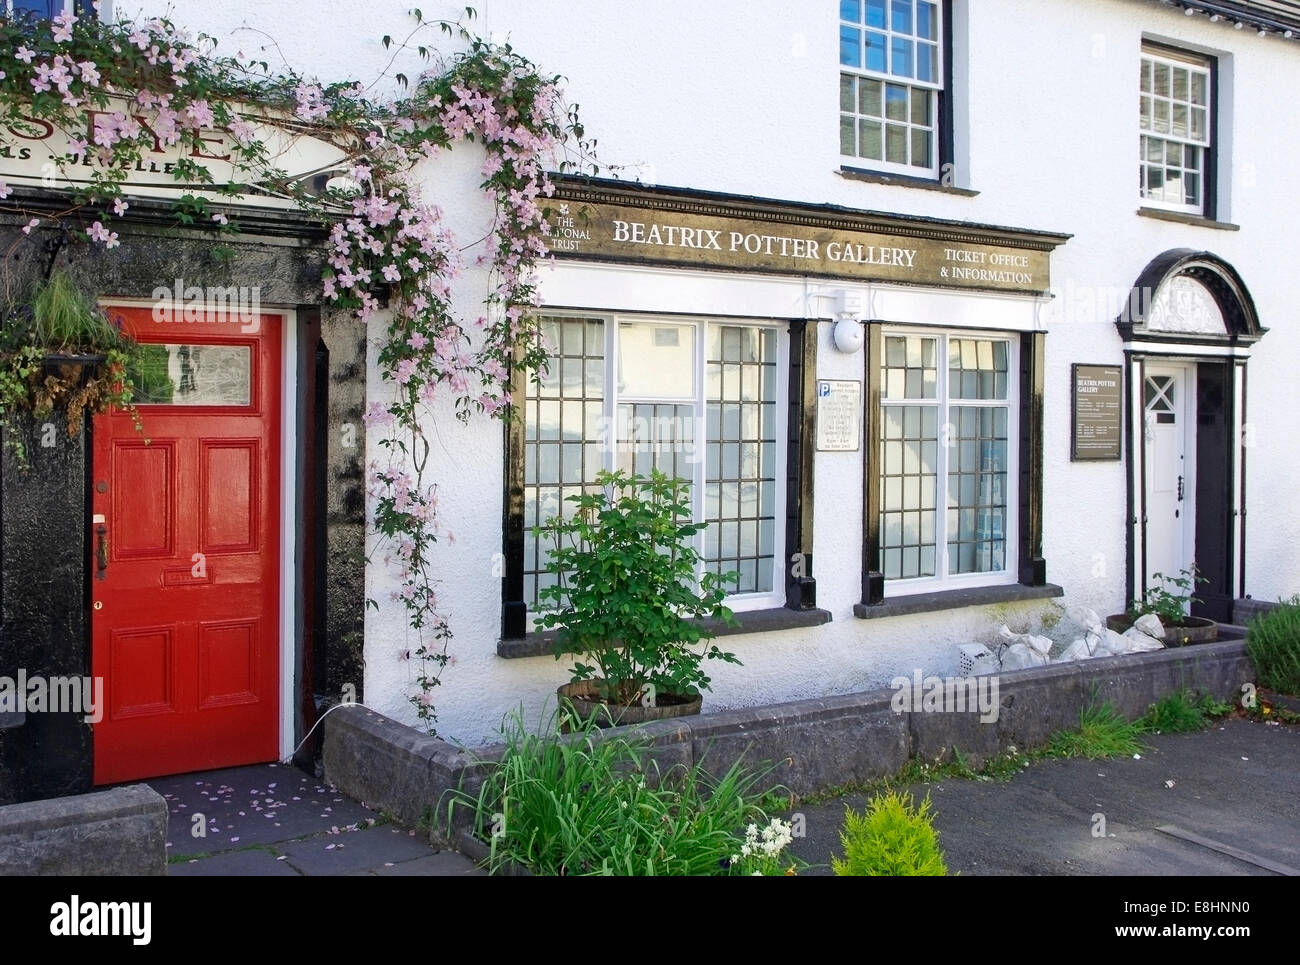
[(892, 837)]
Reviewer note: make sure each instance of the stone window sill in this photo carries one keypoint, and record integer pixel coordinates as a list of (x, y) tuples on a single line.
[(903, 181), (542, 643), (1160, 214), (955, 599)]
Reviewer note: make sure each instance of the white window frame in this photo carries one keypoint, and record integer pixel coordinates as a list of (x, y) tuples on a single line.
[(935, 89), (942, 580), (1194, 63), (613, 398)]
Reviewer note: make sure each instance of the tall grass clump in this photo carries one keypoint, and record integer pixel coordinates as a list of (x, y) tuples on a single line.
[(594, 803), (1103, 732), (1273, 644)]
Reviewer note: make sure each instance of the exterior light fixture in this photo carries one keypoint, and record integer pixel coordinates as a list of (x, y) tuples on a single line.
[(848, 336)]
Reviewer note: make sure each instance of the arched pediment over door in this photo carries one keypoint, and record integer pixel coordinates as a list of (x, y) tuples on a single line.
[(1187, 297), (1188, 327)]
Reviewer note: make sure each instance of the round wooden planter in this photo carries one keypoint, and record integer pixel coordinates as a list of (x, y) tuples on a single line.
[(583, 698), (1192, 630)]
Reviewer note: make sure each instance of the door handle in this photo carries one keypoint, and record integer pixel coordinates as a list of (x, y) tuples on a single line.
[(101, 551), (1180, 489)]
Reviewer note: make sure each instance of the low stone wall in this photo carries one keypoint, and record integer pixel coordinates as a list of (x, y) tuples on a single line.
[(815, 744), (1246, 609), (122, 831)]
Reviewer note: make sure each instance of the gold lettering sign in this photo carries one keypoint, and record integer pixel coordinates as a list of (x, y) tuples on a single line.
[(582, 228)]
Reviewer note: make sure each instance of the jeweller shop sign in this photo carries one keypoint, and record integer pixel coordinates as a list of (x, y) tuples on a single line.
[(594, 229), (38, 153)]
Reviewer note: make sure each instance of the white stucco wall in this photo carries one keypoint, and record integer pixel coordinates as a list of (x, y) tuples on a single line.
[(742, 97)]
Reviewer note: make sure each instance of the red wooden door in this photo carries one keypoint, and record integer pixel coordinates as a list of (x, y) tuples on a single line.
[(186, 554)]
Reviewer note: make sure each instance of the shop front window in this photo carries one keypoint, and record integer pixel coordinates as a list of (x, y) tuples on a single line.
[(946, 462), (699, 400)]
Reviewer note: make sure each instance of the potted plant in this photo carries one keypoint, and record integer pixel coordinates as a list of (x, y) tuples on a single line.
[(1170, 600), (629, 594), (62, 352)]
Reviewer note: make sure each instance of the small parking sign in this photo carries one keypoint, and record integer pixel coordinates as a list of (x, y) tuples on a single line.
[(839, 415)]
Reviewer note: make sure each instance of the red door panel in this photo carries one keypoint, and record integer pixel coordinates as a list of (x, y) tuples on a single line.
[(185, 626)]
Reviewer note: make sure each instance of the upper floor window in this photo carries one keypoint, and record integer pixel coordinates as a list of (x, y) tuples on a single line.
[(891, 81), (49, 9), (1176, 121)]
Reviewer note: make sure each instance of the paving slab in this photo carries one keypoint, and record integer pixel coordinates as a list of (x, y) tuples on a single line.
[(1228, 799), (251, 862), (356, 851), (442, 863), (275, 820), (261, 804)]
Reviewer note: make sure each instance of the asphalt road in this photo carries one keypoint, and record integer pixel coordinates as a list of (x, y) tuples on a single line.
[(1225, 801)]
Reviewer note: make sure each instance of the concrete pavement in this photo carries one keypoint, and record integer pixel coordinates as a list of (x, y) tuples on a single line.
[(273, 819), (1225, 801)]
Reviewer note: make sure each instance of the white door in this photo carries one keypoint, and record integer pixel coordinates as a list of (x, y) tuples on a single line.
[(1170, 421)]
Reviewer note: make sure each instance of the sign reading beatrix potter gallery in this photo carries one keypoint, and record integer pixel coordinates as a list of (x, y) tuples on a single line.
[(839, 415), (599, 229), (1098, 412)]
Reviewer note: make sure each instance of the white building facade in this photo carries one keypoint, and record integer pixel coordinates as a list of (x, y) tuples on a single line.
[(1057, 229), (1142, 130), (1048, 118)]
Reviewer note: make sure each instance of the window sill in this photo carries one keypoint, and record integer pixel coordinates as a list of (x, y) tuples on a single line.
[(1160, 214), (903, 181), (955, 599), (542, 643)]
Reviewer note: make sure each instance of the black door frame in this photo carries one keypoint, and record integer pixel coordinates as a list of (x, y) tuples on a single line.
[(1221, 442)]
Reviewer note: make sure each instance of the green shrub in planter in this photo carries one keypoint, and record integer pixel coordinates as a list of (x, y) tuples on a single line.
[(1171, 598), (631, 589), (892, 837), (1273, 643)]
